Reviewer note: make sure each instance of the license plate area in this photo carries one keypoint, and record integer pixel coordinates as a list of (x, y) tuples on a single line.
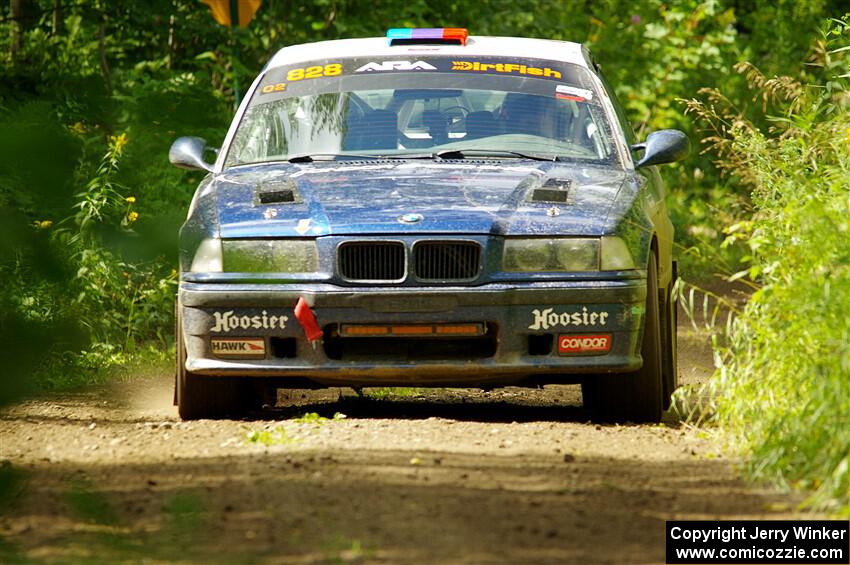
[(587, 344), (473, 329), (238, 347)]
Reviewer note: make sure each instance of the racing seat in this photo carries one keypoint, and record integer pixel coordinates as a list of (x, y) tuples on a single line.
[(377, 129), (529, 114), (437, 124), (481, 124)]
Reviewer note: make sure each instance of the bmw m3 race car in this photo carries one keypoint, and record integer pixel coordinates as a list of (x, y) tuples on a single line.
[(428, 209)]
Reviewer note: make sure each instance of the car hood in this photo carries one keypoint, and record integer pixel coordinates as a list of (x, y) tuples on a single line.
[(402, 197)]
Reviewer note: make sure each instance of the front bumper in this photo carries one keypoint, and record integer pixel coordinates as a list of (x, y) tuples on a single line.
[(519, 317)]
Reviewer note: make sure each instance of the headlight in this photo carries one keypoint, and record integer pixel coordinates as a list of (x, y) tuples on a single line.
[(208, 257), (616, 255), (551, 255), (270, 256)]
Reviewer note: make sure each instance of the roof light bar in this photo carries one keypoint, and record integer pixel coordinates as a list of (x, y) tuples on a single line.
[(427, 36)]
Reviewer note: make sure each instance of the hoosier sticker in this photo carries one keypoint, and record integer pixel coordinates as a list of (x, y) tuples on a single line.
[(549, 318), (228, 321), (238, 347)]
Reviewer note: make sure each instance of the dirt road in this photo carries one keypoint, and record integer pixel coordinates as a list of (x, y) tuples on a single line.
[(511, 476)]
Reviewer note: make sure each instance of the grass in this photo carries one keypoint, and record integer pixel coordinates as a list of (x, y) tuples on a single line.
[(782, 390), (384, 393), (102, 365), (276, 436)]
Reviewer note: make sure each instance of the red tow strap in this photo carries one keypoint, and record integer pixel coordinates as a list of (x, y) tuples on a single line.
[(307, 320)]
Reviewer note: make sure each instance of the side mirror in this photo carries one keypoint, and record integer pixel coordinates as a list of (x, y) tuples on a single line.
[(188, 153), (663, 146)]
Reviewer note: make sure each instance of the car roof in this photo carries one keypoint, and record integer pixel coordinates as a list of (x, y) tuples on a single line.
[(476, 46)]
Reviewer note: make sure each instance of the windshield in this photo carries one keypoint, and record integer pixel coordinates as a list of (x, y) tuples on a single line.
[(360, 108)]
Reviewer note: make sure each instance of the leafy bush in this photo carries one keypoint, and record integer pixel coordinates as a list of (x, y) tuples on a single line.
[(783, 384)]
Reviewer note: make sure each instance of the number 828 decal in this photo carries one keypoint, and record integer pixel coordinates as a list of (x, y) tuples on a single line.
[(304, 73), (318, 71)]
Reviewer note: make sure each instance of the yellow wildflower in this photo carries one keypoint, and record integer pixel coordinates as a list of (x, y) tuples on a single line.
[(118, 142), (133, 216), (79, 128), (131, 199), (43, 224), (847, 137)]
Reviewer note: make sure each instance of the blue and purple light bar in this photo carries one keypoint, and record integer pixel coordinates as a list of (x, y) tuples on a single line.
[(427, 36)]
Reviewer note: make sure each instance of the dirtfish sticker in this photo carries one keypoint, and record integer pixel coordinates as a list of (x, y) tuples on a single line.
[(548, 318), (510, 68), (229, 321), (396, 66), (565, 92)]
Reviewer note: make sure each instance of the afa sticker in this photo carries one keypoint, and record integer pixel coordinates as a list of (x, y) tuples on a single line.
[(396, 66), (565, 92)]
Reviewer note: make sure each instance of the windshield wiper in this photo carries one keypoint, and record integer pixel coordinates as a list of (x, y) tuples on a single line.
[(310, 158), (448, 154), (464, 153)]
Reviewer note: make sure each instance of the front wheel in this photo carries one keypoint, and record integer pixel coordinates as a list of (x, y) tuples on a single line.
[(199, 396), (636, 396)]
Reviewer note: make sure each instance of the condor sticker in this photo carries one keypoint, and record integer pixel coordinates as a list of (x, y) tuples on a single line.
[(598, 344), (238, 346)]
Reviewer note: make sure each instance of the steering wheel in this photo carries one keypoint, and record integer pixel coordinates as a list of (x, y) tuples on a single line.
[(455, 117)]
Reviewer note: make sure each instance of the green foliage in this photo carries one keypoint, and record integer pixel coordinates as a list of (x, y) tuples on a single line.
[(276, 436), (89, 505), (383, 393), (783, 384), (315, 418)]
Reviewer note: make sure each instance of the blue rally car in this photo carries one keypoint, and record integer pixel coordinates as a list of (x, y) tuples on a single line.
[(428, 209)]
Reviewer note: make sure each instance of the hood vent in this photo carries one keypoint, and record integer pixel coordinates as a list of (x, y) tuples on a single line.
[(277, 192), (553, 190)]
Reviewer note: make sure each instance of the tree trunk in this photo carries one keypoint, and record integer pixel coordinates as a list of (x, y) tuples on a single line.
[(57, 16), (101, 48), (170, 57), (17, 7)]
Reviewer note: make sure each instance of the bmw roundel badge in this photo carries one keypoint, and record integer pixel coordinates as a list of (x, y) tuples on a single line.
[(410, 218)]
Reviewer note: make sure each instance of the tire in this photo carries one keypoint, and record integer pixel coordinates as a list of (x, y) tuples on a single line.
[(200, 397), (636, 396), (670, 324)]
